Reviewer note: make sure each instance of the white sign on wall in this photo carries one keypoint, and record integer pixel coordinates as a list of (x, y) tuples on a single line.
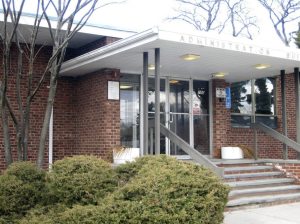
[(220, 93), (113, 90)]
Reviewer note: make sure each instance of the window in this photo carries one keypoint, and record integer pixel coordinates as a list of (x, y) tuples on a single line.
[(200, 110), (253, 101), (129, 110)]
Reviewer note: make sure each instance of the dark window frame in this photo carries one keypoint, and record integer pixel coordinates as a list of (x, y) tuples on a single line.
[(247, 118)]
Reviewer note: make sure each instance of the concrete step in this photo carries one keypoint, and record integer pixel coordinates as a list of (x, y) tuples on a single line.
[(263, 199), (260, 182), (267, 190), (221, 162), (248, 168), (252, 175)]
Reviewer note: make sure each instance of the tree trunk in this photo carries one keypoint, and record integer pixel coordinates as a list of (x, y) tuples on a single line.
[(45, 128), (5, 128), (4, 115), (25, 130)]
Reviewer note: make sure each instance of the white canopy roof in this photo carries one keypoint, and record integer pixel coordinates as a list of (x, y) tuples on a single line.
[(233, 56)]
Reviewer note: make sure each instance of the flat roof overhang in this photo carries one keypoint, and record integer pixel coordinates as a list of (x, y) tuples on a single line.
[(233, 56), (86, 35)]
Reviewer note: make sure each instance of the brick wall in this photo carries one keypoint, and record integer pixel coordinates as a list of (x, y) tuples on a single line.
[(38, 104), (225, 135), (85, 122), (291, 169), (97, 119), (64, 119)]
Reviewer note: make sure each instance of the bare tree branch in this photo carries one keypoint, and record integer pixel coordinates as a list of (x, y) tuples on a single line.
[(240, 19), (282, 12), (207, 15), (202, 14)]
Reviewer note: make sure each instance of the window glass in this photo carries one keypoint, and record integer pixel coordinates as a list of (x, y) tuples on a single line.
[(240, 121), (201, 133), (200, 97), (151, 95), (179, 96), (241, 97), (264, 102), (264, 96), (129, 110)]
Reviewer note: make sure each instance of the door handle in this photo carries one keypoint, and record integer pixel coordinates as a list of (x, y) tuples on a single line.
[(171, 118)]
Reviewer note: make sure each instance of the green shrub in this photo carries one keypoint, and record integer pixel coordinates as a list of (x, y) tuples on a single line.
[(168, 191), (157, 190), (43, 214), (21, 187), (81, 179), (128, 170)]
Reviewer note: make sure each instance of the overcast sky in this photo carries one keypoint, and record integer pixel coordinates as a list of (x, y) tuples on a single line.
[(140, 15)]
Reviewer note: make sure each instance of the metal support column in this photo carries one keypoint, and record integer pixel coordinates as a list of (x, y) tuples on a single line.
[(255, 145), (211, 121), (283, 102), (157, 101), (145, 103), (297, 98)]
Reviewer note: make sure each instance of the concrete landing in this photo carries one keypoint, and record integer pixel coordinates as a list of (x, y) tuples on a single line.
[(277, 214)]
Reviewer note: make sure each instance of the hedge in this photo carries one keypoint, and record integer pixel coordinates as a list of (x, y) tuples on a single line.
[(22, 187), (81, 179), (154, 190)]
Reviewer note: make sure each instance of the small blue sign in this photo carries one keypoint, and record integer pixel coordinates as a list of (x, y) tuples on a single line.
[(228, 98)]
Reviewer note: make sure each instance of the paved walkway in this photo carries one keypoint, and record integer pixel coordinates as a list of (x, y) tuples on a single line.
[(278, 214)]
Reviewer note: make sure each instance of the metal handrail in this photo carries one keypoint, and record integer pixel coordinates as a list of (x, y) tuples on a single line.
[(193, 153), (275, 134)]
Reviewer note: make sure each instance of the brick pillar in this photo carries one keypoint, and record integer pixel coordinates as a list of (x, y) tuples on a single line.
[(221, 119), (97, 118)]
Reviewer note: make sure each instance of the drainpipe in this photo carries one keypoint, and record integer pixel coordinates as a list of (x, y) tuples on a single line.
[(50, 154), (284, 119), (297, 96)]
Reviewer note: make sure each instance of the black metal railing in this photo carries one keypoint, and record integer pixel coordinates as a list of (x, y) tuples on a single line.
[(276, 135), (193, 153)]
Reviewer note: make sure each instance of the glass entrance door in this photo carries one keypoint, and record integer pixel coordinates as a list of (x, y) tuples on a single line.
[(178, 119), (184, 109)]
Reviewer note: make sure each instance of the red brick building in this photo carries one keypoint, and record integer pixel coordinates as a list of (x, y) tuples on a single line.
[(108, 91)]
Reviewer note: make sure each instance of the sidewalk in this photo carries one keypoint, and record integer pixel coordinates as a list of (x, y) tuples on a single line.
[(278, 214)]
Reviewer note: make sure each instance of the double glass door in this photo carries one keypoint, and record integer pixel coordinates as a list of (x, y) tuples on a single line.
[(184, 110)]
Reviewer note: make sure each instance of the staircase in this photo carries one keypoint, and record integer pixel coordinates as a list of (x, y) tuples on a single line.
[(257, 184)]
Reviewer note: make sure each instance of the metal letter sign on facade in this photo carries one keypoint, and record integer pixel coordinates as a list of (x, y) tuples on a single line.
[(113, 90), (228, 98), (220, 93)]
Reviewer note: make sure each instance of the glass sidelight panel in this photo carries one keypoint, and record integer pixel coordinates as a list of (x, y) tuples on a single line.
[(201, 133), (200, 109), (129, 110), (179, 96), (151, 95), (151, 114), (179, 118), (179, 123)]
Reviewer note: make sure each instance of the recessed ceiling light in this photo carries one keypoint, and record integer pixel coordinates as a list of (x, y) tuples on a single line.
[(173, 81), (190, 57), (262, 66), (152, 67), (125, 86), (219, 74)]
